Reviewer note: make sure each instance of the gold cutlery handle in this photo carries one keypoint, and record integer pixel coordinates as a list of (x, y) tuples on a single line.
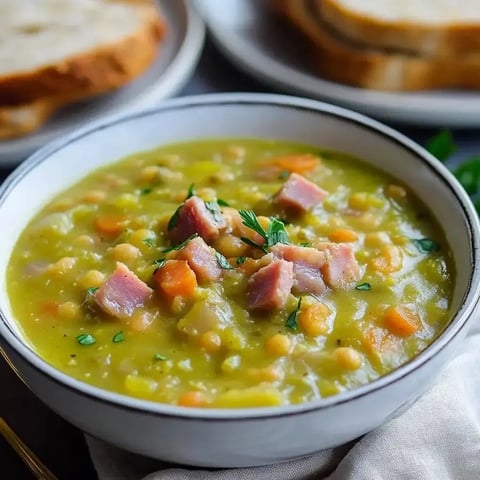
[(39, 470)]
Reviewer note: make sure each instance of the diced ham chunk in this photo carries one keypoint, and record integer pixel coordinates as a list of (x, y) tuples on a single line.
[(307, 265), (268, 289), (201, 259), (194, 217), (122, 293), (299, 194), (341, 268)]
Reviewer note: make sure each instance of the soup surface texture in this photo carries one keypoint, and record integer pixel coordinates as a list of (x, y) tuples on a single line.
[(233, 273)]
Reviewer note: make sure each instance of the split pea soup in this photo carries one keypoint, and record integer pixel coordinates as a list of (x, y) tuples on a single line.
[(232, 273)]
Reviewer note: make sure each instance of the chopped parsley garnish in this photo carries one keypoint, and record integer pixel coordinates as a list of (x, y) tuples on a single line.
[(305, 244), (180, 245), (85, 339), (92, 290), (159, 263), (146, 191), (275, 233), (172, 223), (160, 357), (149, 242), (291, 322), (223, 203), (241, 260), (118, 337), (363, 287), (426, 245), (442, 145), (283, 175), (191, 191), (214, 209), (223, 262)]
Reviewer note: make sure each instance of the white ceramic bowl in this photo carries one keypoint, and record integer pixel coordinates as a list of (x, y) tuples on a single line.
[(240, 437)]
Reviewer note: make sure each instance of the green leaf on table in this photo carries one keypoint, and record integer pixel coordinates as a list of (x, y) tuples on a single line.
[(442, 145), (468, 174)]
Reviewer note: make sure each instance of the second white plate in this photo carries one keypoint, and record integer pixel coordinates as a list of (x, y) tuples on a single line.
[(178, 58), (244, 32)]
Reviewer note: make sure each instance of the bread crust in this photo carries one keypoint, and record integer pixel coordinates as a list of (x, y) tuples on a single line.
[(98, 71), (343, 61), (421, 39), (19, 120)]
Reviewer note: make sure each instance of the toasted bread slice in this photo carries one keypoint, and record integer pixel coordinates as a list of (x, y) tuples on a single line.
[(19, 120), (68, 48), (346, 62), (433, 28)]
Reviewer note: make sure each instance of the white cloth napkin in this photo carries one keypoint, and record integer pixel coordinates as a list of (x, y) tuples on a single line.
[(438, 438)]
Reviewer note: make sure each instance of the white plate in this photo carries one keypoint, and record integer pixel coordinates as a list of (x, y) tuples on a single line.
[(178, 57), (242, 29)]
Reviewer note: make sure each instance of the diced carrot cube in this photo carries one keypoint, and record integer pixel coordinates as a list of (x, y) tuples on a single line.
[(110, 226), (401, 321), (343, 235), (176, 278)]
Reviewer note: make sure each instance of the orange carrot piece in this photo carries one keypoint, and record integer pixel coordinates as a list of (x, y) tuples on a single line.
[(401, 322), (313, 319), (176, 278), (110, 226), (298, 163), (193, 399), (49, 307), (342, 235)]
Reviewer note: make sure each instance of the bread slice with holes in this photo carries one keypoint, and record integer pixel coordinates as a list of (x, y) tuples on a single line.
[(74, 48), (433, 28), (345, 61)]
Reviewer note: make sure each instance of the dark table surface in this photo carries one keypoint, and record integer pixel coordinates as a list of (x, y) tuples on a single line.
[(58, 444)]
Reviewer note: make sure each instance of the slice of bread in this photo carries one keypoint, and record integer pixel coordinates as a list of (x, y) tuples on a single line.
[(343, 61), (19, 120), (432, 28), (70, 48)]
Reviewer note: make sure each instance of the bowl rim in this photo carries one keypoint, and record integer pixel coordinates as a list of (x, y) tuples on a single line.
[(147, 407)]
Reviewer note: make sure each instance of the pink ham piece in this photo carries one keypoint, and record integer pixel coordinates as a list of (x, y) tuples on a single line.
[(122, 293), (194, 217), (307, 265), (341, 268), (299, 194), (269, 287), (201, 259)]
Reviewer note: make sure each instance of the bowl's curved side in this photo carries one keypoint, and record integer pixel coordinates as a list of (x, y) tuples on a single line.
[(62, 163)]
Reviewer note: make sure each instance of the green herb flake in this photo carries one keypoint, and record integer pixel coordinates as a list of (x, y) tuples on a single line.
[(250, 220), (305, 244), (85, 339), (442, 145), (253, 244), (146, 191), (118, 337), (426, 245), (149, 242), (214, 209), (291, 322), (159, 263), (191, 191), (160, 357), (241, 260), (276, 232), (468, 174), (92, 290), (363, 287), (172, 223), (180, 245), (283, 175), (223, 262), (223, 203)]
